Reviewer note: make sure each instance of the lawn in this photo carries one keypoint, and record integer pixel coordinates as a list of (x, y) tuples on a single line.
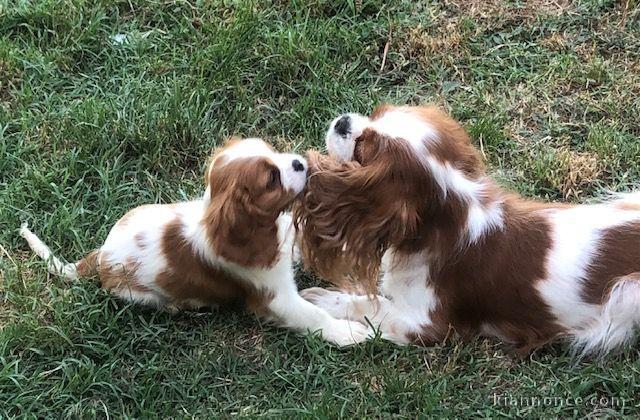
[(105, 105)]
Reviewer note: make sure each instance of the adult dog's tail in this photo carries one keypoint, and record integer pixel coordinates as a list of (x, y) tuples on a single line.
[(88, 266)]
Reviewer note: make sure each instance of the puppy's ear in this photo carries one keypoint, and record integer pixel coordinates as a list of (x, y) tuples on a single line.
[(238, 231), (348, 217), (217, 157)]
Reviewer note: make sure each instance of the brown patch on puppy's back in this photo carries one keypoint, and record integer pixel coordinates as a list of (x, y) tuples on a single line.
[(189, 277)]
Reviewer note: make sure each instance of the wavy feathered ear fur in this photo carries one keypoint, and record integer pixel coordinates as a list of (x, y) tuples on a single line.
[(217, 157), (350, 213), (239, 230)]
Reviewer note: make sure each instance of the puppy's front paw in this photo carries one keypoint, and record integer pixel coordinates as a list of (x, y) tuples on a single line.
[(345, 333), (335, 303)]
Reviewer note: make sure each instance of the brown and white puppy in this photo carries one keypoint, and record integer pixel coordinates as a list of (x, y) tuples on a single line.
[(405, 191), (236, 243)]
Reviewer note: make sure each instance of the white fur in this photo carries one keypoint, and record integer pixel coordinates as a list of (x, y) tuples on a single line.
[(291, 179), (142, 298), (616, 322), (631, 198), (342, 147), (576, 235), (399, 123), (148, 222), (481, 220), (450, 179), (252, 147), (574, 246), (54, 265)]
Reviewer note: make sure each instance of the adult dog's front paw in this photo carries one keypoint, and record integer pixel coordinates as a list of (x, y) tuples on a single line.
[(346, 333), (334, 302)]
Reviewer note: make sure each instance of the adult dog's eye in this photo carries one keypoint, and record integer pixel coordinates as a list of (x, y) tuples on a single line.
[(274, 179)]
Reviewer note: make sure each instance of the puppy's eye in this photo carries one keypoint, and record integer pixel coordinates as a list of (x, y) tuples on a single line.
[(274, 179)]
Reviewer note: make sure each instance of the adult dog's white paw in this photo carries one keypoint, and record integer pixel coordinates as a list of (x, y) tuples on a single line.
[(346, 333), (337, 304)]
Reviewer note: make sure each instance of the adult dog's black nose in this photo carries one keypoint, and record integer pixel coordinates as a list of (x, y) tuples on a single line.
[(297, 165), (342, 125)]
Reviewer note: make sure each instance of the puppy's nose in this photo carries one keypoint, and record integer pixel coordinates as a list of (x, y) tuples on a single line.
[(342, 125), (297, 165)]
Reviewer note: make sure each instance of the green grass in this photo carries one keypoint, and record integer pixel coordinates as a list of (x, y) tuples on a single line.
[(90, 128)]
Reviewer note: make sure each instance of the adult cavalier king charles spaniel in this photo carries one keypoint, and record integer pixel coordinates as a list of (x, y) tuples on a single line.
[(233, 244), (405, 194)]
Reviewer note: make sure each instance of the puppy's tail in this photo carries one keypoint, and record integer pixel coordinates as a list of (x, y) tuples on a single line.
[(86, 267)]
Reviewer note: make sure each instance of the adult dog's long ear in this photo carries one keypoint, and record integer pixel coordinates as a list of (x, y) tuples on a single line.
[(350, 214), (237, 230)]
